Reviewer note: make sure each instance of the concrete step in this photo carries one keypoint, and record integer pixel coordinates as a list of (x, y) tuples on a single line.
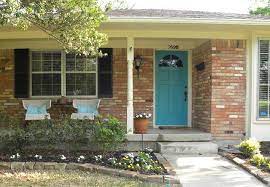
[(187, 148), (170, 137)]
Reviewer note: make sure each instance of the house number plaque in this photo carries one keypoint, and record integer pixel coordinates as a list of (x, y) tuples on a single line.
[(171, 46)]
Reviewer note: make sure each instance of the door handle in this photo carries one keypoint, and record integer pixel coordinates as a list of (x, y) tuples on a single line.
[(186, 93)]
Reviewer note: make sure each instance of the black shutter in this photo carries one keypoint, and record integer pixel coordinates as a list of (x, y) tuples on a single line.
[(105, 71), (21, 61)]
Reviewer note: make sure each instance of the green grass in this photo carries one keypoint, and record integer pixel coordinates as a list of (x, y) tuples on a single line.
[(66, 178)]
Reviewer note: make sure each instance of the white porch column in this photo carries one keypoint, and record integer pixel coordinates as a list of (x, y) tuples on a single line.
[(130, 109)]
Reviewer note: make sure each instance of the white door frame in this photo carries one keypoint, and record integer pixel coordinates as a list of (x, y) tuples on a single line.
[(189, 117)]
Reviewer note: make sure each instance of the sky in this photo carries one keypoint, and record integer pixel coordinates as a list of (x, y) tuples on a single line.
[(233, 6)]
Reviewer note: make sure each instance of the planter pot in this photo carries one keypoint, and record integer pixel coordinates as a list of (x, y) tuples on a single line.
[(141, 126)]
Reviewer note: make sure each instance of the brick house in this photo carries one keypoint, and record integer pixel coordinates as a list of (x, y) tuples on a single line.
[(201, 70)]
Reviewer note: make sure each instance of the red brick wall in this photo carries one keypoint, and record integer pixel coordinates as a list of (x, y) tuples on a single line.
[(219, 91), (228, 88), (143, 88), (201, 87)]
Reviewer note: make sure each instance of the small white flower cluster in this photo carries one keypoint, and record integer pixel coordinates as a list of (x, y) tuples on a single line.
[(16, 156), (130, 155), (98, 158), (62, 157), (39, 157), (112, 160), (148, 150), (143, 116), (81, 158)]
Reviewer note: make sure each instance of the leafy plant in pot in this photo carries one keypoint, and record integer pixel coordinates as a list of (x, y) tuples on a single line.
[(141, 122)]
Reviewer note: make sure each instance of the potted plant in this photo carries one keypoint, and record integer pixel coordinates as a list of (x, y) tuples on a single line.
[(141, 122)]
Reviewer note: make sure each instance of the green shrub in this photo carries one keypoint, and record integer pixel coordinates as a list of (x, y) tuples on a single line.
[(72, 134), (258, 160), (108, 133), (7, 121), (249, 147), (13, 141)]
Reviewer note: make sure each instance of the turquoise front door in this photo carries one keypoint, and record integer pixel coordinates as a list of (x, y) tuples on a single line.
[(171, 88)]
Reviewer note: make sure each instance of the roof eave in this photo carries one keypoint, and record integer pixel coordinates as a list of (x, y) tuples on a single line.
[(190, 21)]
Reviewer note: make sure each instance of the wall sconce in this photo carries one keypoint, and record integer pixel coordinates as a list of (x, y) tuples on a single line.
[(3, 62), (138, 62)]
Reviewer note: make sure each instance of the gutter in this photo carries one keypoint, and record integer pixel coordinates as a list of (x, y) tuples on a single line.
[(255, 22)]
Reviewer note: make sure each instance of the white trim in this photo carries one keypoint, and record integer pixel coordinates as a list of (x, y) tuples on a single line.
[(189, 88), (189, 117), (130, 108), (154, 89), (189, 20), (248, 86)]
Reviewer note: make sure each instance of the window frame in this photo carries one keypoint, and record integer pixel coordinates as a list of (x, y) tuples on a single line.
[(258, 118), (63, 76)]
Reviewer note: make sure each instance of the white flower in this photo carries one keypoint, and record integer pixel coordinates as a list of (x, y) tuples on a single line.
[(62, 157), (18, 155), (12, 156), (81, 158), (150, 115), (38, 157), (131, 155)]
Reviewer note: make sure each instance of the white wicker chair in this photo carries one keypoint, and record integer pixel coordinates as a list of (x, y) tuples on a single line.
[(93, 104), (37, 103)]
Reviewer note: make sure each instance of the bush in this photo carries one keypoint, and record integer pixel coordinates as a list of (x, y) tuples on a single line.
[(258, 160), (249, 147), (69, 133), (109, 133), (8, 122)]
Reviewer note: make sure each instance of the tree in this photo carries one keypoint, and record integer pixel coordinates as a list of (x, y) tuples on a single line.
[(264, 11), (73, 23)]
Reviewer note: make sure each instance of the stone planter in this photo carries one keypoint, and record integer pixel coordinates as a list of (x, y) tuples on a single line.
[(141, 126)]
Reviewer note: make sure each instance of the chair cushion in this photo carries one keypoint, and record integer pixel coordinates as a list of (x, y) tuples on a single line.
[(82, 108), (33, 109)]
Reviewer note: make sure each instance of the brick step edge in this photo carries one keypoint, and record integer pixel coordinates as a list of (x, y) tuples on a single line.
[(256, 172), (19, 166)]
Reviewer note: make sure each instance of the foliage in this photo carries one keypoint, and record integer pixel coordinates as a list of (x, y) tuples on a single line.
[(13, 140), (73, 23), (66, 132), (249, 147), (263, 11), (258, 160), (143, 161), (7, 121), (108, 133)]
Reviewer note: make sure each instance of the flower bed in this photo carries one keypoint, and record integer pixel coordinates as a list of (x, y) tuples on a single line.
[(248, 155), (143, 162)]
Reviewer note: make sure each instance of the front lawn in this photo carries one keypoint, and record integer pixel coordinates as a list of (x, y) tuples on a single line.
[(67, 178)]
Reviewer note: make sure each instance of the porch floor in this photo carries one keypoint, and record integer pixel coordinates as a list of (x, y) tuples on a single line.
[(171, 135)]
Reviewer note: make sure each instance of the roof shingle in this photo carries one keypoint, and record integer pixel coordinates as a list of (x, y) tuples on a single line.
[(181, 14)]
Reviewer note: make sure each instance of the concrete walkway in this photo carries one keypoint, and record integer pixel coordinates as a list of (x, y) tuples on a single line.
[(210, 171)]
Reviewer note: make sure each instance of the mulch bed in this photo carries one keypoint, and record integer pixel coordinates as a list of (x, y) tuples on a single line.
[(72, 157)]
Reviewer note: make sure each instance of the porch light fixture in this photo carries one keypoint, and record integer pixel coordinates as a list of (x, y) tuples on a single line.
[(138, 62)]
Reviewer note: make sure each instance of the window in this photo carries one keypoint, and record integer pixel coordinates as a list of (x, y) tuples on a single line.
[(171, 61), (80, 75), (77, 77), (46, 73), (263, 80)]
